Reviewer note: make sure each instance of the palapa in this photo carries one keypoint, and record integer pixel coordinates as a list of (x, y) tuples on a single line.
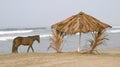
[(79, 23)]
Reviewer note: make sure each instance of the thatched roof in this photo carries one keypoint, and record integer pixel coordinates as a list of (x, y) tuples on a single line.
[(80, 22)]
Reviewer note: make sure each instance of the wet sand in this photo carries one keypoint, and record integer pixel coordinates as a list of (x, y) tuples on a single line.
[(107, 58)]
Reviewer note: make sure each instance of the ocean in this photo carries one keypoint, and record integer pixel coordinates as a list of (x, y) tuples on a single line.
[(70, 41)]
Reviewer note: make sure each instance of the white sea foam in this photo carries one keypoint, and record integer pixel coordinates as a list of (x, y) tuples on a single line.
[(113, 31), (109, 31), (10, 37), (5, 38), (15, 32), (115, 26), (45, 35)]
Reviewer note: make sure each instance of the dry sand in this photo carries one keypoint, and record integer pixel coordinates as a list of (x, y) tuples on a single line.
[(110, 58)]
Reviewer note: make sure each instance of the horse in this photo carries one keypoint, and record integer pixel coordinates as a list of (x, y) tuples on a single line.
[(26, 41)]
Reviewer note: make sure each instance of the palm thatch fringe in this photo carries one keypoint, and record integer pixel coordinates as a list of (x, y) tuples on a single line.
[(56, 41), (99, 38)]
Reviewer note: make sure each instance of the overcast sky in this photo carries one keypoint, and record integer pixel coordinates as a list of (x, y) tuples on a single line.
[(44, 13)]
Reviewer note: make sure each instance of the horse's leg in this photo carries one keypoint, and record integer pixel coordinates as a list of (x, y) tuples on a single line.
[(28, 49), (16, 48), (32, 48)]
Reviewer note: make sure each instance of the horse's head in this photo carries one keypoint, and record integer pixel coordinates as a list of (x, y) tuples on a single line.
[(37, 37)]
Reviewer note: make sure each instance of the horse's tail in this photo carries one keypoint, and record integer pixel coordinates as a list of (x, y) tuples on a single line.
[(14, 48)]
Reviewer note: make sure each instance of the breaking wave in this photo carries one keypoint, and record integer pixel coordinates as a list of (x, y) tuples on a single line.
[(15, 32), (113, 31), (5, 38), (115, 26)]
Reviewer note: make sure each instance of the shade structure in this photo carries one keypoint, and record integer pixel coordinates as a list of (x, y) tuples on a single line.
[(79, 23)]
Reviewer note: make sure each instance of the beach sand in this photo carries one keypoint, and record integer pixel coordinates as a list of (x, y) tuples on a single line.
[(108, 58)]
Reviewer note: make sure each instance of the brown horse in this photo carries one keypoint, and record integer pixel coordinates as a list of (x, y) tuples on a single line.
[(26, 41)]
